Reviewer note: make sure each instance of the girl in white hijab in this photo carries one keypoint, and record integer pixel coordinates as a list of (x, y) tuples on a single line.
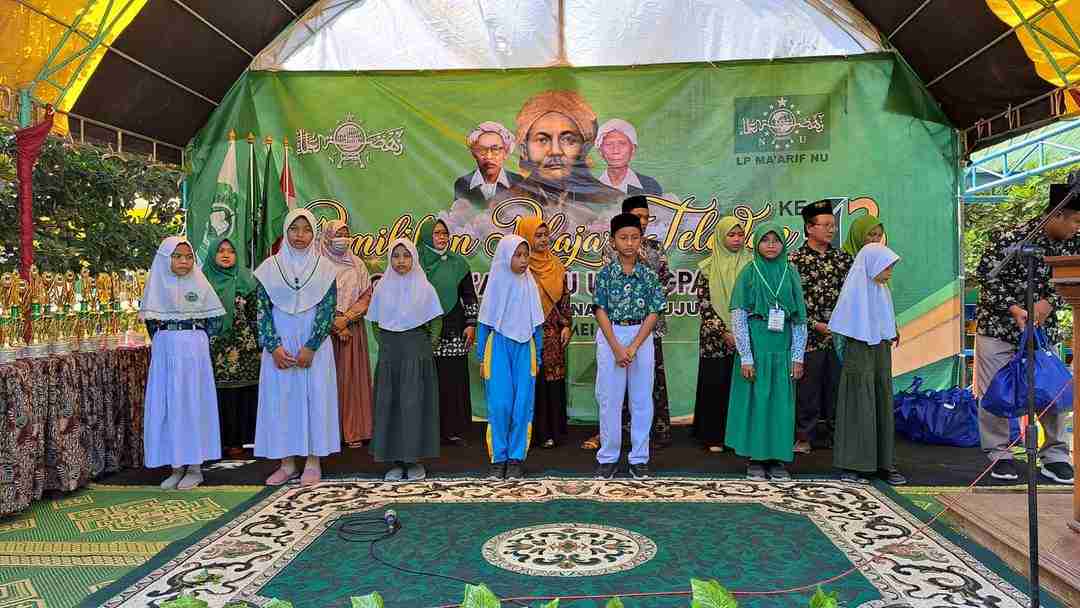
[(509, 339), (407, 315), (298, 401), (181, 311), (863, 324)]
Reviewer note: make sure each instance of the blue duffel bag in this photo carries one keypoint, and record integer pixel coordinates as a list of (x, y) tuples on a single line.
[(948, 417)]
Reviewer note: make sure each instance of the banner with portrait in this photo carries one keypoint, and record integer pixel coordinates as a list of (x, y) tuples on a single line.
[(388, 152)]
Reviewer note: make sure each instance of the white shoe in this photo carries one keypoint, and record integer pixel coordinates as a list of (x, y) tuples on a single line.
[(417, 472), (192, 479), (395, 474), (171, 481)]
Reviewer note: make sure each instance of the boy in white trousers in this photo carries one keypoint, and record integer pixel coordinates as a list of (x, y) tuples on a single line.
[(627, 302)]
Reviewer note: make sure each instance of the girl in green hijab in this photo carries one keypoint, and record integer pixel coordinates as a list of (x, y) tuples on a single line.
[(449, 274), (235, 351), (768, 316), (865, 229), (716, 343)]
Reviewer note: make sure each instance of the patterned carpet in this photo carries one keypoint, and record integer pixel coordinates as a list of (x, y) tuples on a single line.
[(60, 551), (541, 537)]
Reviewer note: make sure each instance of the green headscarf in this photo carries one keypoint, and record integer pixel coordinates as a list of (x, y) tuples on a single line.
[(856, 234), (752, 295), (722, 268), (227, 282), (444, 269)]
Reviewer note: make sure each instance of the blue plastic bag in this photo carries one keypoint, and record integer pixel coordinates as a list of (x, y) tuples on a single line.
[(948, 417), (1007, 394)]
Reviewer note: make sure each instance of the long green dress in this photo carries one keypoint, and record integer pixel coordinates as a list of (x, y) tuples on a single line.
[(761, 414), (865, 427)]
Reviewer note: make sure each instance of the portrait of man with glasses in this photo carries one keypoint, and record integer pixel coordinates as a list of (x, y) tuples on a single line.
[(490, 144)]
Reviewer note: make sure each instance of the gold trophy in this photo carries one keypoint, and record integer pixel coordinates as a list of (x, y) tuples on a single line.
[(9, 316), (86, 297), (36, 302), (106, 317), (68, 315)]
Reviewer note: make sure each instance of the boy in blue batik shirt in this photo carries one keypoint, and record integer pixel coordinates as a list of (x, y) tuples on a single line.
[(627, 303)]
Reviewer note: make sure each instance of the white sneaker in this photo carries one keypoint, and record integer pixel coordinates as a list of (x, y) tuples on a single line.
[(395, 474), (192, 479), (416, 472), (171, 481)]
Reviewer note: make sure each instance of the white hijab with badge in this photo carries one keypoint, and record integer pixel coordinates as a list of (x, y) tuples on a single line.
[(168, 297), (297, 279)]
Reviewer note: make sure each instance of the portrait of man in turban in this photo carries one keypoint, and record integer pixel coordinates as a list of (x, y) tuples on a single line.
[(618, 143), (555, 131), (490, 144)]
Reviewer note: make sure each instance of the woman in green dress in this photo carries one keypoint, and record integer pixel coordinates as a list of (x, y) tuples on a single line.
[(235, 351), (768, 316)]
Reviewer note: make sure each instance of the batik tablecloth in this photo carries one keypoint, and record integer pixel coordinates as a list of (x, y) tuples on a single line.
[(65, 420)]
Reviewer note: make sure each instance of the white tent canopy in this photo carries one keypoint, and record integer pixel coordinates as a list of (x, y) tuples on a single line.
[(356, 35)]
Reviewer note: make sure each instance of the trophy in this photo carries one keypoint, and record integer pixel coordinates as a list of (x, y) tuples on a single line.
[(86, 299), (67, 313), (106, 315), (36, 301), (10, 298)]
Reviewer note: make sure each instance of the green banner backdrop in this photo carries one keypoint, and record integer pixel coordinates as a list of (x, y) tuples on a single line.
[(757, 139)]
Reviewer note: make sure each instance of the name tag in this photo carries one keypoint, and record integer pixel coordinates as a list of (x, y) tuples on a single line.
[(776, 319)]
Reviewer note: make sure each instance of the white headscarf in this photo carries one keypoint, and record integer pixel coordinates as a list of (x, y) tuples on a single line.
[(169, 297), (511, 301), (296, 280), (403, 302), (864, 310)]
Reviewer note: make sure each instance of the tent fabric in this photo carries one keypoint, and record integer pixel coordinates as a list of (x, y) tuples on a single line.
[(199, 48), (526, 34)]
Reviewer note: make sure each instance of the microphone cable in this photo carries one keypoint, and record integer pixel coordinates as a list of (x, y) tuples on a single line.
[(373, 529)]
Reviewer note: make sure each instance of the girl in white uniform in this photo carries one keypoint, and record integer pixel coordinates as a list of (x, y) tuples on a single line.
[(181, 311), (298, 400)]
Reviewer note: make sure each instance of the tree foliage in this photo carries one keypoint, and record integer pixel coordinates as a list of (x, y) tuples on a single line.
[(87, 207), (1026, 200)]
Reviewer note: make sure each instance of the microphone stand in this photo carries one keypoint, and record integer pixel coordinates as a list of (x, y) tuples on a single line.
[(1028, 252)]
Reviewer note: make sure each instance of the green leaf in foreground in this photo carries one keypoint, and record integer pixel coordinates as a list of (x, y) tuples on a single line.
[(710, 594)]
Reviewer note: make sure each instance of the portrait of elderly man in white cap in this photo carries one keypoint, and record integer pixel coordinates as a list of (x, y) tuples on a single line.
[(617, 141), (490, 143), (556, 130)]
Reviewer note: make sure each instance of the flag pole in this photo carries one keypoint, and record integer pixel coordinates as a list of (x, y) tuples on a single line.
[(253, 193)]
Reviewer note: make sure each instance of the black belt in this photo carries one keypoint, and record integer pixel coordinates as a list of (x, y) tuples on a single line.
[(628, 322), (179, 325)]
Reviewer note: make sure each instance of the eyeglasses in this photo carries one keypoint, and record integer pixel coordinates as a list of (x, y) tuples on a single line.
[(488, 151)]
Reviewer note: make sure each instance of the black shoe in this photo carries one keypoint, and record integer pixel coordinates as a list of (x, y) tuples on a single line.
[(514, 469), (1004, 469), (640, 471), (606, 470), (497, 470), (1061, 472), (893, 477)]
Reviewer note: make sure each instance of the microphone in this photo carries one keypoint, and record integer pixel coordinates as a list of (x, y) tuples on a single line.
[(391, 519)]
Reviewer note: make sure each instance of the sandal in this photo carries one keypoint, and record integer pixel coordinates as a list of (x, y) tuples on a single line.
[(592, 443), (312, 476), (281, 477)]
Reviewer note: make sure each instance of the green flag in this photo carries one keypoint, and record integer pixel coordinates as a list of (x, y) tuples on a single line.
[(250, 208), (272, 209), (226, 216)]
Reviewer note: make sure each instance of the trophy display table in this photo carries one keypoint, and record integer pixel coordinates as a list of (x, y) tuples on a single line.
[(66, 419)]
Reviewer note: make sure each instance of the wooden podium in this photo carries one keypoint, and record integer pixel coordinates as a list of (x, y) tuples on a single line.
[(1066, 281)]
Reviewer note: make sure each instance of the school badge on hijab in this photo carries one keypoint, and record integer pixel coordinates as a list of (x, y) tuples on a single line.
[(191, 296)]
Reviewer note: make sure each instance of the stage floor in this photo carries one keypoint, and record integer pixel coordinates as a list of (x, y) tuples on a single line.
[(924, 465), (577, 536)]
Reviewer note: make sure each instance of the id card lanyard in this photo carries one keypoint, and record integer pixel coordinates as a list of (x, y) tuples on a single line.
[(776, 314)]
